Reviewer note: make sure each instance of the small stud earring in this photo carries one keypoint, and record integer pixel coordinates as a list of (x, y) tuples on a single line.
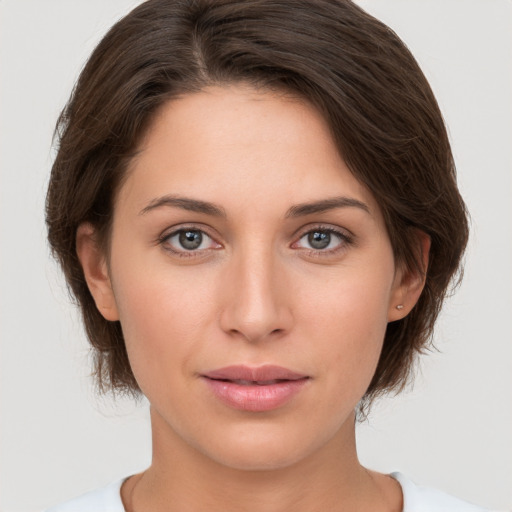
[(400, 306)]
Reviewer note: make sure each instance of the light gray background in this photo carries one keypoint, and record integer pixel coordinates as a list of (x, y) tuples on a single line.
[(453, 431)]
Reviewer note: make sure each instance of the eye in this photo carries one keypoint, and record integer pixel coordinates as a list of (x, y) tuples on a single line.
[(323, 239), (319, 239), (188, 240)]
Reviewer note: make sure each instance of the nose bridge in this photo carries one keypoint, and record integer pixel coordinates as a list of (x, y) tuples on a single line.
[(257, 304)]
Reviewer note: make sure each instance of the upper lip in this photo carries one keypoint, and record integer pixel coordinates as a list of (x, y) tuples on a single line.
[(256, 374)]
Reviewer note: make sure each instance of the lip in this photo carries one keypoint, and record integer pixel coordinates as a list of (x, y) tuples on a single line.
[(257, 389)]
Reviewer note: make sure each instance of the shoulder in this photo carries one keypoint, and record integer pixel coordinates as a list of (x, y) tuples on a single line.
[(105, 499), (426, 499)]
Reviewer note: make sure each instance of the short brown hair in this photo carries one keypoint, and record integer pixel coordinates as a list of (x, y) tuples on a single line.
[(355, 70)]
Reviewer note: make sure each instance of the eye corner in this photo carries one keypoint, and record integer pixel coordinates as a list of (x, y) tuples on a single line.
[(188, 241), (327, 245)]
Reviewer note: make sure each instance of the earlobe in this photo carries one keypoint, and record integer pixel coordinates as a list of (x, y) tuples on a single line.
[(95, 269), (409, 283)]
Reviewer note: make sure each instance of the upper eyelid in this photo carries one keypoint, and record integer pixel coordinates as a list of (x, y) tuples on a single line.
[(342, 236), (296, 236), (164, 241), (323, 227), (170, 231), (346, 238)]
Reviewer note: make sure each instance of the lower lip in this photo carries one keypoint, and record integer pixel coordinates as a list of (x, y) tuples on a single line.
[(255, 398)]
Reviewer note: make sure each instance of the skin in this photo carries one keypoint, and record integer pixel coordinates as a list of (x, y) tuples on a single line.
[(255, 292)]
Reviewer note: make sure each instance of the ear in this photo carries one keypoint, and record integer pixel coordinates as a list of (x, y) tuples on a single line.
[(95, 269), (409, 283)]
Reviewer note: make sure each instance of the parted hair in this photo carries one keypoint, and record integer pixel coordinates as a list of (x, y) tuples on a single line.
[(354, 69)]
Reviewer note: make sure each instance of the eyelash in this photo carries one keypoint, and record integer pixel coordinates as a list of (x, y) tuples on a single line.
[(163, 240), (345, 239)]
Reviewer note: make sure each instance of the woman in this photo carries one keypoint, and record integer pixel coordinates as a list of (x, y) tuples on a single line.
[(254, 203)]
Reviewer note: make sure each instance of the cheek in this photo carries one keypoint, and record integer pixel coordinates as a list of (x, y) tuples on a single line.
[(348, 322), (161, 312)]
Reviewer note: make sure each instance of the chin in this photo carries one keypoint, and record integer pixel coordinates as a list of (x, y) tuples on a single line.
[(257, 459), (263, 448)]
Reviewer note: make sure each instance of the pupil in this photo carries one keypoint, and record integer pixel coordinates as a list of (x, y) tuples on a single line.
[(190, 239), (319, 239)]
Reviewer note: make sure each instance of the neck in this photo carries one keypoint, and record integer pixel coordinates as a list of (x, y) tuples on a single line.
[(182, 478)]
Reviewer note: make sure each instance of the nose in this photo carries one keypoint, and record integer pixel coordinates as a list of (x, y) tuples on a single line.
[(257, 303)]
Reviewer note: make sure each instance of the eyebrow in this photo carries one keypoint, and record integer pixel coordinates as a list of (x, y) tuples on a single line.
[(299, 210), (324, 205), (185, 203)]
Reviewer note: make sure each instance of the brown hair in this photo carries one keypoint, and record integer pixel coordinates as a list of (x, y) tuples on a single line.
[(351, 67)]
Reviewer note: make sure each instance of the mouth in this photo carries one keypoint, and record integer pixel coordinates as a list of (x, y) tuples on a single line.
[(255, 389), (242, 382)]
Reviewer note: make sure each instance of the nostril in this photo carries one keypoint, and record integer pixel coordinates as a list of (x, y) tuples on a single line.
[(254, 313)]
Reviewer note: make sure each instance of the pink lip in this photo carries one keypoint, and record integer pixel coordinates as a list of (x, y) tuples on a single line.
[(255, 389)]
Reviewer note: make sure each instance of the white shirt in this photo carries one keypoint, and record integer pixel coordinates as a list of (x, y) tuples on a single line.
[(416, 499)]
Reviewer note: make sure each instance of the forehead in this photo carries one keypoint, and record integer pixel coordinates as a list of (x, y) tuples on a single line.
[(235, 144)]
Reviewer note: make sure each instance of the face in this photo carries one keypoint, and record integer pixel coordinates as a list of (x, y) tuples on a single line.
[(252, 275)]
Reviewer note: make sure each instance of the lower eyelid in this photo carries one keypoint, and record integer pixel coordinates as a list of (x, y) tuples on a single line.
[(165, 238), (344, 241), (343, 237)]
